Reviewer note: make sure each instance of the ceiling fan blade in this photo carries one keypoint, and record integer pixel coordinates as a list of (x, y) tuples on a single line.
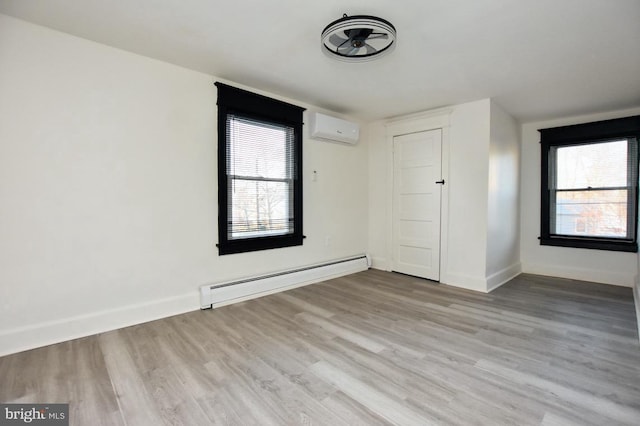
[(354, 51), (336, 40), (370, 49), (381, 36), (378, 43), (344, 45)]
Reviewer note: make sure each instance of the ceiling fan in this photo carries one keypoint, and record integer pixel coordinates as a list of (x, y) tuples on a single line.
[(358, 38)]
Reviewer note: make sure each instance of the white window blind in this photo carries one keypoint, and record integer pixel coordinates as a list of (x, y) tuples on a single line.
[(260, 170)]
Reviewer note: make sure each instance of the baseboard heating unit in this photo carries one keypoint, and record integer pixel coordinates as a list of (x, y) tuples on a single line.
[(220, 294)]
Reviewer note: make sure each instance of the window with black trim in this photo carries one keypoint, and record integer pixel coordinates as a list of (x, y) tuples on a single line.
[(589, 185), (259, 172)]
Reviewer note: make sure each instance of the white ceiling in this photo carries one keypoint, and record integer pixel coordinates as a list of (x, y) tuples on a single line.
[(537, 58)]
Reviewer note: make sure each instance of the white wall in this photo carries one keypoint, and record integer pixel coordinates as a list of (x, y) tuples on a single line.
[(503, 229), (108, 202), (582, 264), (466, 245), (374, 135)]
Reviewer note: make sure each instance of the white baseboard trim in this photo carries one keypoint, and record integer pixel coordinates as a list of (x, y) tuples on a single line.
[(581, 274), (503, 276), (51, 332), (464, 281)]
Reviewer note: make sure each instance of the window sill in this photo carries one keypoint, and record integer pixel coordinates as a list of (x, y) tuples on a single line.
[(256, 244), (590, 243)]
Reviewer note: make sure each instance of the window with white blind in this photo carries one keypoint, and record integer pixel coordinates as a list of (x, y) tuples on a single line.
[(259, 172), (590, 185)]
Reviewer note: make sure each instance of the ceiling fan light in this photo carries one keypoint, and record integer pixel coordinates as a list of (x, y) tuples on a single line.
[(358, 38)]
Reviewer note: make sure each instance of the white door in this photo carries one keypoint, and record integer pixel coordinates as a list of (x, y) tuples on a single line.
[(417, 167)]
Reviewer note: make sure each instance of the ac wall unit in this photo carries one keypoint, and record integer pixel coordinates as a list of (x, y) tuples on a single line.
[(330, 128)]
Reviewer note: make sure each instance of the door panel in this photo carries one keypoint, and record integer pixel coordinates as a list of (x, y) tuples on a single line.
[(416, 203)]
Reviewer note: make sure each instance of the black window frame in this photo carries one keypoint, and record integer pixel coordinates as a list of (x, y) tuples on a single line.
[(245, 104), (583, 134)]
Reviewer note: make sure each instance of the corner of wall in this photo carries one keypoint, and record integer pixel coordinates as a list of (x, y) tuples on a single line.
[(483, 285), (380, 263), (503, 276)]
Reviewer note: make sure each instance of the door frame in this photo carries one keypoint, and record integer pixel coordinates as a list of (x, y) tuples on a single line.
[(414, 123)]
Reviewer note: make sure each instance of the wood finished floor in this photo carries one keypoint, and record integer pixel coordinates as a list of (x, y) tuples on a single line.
[(371, 348)]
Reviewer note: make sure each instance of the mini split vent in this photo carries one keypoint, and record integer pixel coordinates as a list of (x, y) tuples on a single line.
[(324, 127), (358, 38)]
